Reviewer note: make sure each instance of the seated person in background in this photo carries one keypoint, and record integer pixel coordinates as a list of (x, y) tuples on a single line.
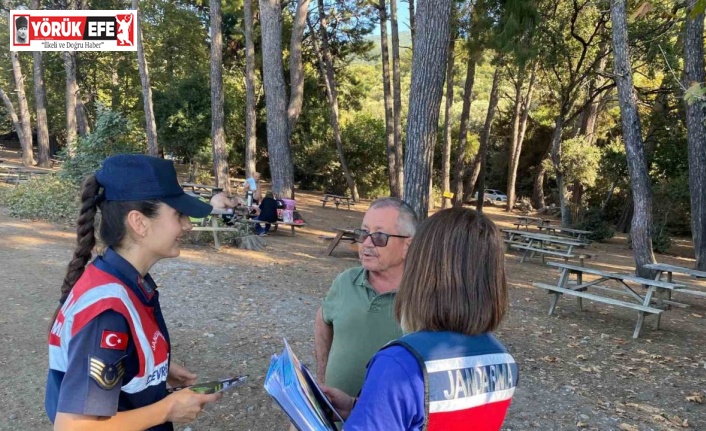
[(448, 372), (267, 212), (223, 202)]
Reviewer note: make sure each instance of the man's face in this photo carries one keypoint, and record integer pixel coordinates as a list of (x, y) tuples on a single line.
[(22, 33), (256, 176), (380, 259)]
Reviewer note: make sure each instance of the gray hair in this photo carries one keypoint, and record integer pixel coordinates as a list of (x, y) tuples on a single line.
[(407, 219)]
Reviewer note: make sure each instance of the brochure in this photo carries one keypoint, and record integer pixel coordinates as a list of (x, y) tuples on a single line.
[(213, 387), (293, 387)]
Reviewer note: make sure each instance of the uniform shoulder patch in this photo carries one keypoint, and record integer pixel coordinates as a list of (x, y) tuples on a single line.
[(106, 375)]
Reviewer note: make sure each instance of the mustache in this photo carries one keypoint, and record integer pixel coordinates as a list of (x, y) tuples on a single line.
[(368, 250)]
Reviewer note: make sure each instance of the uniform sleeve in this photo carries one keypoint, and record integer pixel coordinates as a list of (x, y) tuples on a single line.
[(392, 397), (95, 360)]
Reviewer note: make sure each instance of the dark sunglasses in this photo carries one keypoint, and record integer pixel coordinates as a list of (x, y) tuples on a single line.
[(379, 239)]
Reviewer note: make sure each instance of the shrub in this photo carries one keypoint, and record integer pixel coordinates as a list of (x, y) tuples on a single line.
[(48, 197), (661, 241), (594, 220), (113, 134)]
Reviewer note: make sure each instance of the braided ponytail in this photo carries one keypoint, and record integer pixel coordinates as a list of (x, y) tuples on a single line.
[(86, 239)]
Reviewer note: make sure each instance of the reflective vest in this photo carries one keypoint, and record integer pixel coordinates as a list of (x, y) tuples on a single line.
[(95, 292), (468, 380)]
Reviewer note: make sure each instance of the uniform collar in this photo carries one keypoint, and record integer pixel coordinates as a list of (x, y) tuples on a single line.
[(113, 263)]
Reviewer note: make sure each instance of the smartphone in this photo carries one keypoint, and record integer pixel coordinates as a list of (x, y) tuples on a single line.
[(213, 387)]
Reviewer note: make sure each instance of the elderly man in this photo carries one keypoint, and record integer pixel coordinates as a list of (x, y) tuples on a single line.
[(357, 315)]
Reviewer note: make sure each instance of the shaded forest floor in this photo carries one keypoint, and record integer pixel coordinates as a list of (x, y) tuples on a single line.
[(228, 310)]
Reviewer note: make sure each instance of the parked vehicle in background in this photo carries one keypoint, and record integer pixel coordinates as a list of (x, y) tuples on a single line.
[(492, 195)]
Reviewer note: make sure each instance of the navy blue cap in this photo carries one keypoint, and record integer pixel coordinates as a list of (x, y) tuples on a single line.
[(136, 177)]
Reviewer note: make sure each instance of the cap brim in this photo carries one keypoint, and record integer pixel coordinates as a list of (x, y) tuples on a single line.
[(189, 205)]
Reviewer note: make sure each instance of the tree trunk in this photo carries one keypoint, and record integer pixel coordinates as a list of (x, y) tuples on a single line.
[(556, 161), (412, 21), (250, 114), (485, 138), (519, 137), (71, 90), (328, 75), (150, 125), (84, 127), (696, 132), (461, 149), (446, 151), (40, 100), (634, 149), (13, 116), (218, 138), (538, 187), (471, 178), (517, 113), (278, 147), (428, 67), (296, 70), (397, 94), (24, 117), (392, 162)]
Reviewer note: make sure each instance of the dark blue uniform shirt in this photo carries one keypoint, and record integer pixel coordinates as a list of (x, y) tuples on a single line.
[(75, 391)]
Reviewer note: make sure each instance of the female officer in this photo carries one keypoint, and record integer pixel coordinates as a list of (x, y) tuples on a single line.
[(449, 372), (109, 349)]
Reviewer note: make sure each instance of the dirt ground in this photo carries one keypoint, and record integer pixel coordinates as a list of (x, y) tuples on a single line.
[(228, 311)]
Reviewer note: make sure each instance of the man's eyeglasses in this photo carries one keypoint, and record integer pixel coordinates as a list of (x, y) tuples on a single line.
[(379, 239)]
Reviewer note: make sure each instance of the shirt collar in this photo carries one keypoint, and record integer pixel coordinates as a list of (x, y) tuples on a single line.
[(144, 287)]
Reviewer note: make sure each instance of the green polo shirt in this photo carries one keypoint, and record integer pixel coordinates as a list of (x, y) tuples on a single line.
[(363, 321)]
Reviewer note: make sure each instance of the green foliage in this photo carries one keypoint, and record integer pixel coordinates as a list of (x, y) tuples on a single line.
[(595, 221), (579, 161), (113, 134), (661, 241), (183, 115), (48, 197)]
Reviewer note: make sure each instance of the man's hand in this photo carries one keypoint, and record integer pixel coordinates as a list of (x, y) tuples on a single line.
[(341, 401), (323, 338), (180, 376)]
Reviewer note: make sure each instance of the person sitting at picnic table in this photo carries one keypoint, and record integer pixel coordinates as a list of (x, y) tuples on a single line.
[(222, 201), (252, 184), (266, 212), (448, 372)]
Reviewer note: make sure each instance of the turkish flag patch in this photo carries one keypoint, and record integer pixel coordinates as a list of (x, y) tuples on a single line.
[(114, 340)]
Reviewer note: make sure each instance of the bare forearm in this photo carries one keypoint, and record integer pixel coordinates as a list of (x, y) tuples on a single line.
[(323, 338), (138, 419)]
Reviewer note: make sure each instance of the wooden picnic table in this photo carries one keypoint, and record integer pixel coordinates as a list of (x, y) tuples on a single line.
[(526, 221), (216, 229), (579, 234), (342, 234), (337, 200), (544, 245), (651, 302), (202, 189), (663, 268)]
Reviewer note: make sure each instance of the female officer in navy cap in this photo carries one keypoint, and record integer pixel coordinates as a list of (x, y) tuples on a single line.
[(109, 349)]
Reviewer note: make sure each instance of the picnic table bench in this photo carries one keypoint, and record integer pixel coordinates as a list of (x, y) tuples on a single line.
[(578, 234), (527, 221), (663, 268), (337, 200), (544, 245), (344, 234), (17, 174), (650, 302)]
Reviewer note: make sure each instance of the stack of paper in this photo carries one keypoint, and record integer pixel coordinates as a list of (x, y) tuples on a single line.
[(295, 390)]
